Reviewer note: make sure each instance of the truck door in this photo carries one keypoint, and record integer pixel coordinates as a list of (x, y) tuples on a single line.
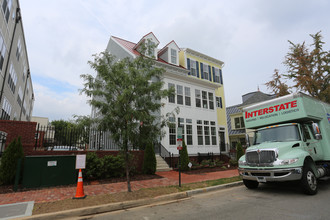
[(312, 145)]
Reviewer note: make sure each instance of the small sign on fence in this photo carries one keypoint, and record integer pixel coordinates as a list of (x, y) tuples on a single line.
[(81, 161)]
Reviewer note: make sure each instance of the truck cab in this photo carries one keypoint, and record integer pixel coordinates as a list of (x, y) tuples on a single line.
[(294, 149)]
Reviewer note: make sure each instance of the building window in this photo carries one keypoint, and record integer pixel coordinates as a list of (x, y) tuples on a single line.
[(211, 100), (189, 131), (218, 102), (199, 132), (173, 56), (207, 132), (193, 69), (2, 51), (206, 71), (204, 97), (239, 123), (150, 48), (19, 49), (213, 134), (19, 97), (172, 131), (6, 109), (187, 96), (12, 78), (179, 94), (198, 98), (216, 75), (171, 98), (6, 6)]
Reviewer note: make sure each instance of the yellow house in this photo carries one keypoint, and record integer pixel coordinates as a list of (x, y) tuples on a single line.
[(209, 69)]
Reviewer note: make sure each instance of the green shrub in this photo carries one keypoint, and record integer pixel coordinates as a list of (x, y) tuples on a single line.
[(149, 160), (113, 166), (218, 163), (239, 151), (94, 166), (9, 159), (206, 163), (233, 162), (184, 158)]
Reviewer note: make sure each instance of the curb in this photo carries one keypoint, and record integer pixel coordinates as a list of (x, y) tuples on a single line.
[(80, 212), (213, 188)]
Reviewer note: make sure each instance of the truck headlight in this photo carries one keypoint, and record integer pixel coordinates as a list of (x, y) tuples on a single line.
[(285, 161), (242, 163)]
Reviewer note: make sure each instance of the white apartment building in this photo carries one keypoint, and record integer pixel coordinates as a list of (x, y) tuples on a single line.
[(195, 97), (16, 90)]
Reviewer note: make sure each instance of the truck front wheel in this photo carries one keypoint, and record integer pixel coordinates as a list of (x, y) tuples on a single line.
[(309, 180), (250, 184)]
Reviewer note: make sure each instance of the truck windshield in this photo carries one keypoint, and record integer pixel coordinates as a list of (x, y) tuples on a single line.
[(277, 134)]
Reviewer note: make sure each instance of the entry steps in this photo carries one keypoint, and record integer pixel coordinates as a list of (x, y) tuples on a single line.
[(161, 164)]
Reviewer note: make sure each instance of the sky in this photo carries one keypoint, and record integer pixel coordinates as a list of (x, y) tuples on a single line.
[(249, 36)]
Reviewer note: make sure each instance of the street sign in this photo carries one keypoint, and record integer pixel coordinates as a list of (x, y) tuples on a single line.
[(179, 147), (179, 134)]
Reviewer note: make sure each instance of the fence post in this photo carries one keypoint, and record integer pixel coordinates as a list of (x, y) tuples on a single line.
[(36, 137)]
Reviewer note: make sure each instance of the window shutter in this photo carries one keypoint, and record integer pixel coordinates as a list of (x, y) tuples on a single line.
[(188, 65), (197, 69), (221, 82), (220, 102), (210, 78), (202, 72), (213, 73)]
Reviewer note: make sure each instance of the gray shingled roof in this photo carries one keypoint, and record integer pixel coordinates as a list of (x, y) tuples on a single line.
[(248, 99)]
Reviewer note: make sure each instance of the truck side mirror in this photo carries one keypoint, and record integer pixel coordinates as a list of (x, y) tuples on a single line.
[(316, 131), (247, 140)]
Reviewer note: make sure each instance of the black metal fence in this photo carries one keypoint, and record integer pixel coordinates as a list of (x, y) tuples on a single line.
[(52, 138), (3, 137)]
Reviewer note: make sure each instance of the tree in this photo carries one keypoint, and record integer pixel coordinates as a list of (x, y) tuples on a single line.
[(149, 160), (184, 158), (9, 160), (277, 86), (239, 151), (308, 68), (127, 93)]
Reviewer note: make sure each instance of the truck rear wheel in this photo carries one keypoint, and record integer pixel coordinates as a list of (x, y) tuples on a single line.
[(250, 184), (309, 180)]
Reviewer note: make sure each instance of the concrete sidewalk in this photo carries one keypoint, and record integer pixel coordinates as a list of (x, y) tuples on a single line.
[(166, 178)]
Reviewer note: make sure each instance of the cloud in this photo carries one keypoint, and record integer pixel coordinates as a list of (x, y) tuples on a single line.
[(251, 37), (58, 106)]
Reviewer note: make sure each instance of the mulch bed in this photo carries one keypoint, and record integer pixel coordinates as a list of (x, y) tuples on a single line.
[(9, 188)]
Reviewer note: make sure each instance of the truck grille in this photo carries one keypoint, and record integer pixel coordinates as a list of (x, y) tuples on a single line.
[(261, 157)]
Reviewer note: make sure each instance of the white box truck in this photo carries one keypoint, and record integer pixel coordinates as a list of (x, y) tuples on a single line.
[(291, 142)]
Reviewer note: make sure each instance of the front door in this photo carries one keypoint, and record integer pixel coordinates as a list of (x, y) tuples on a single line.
[(222, 141)]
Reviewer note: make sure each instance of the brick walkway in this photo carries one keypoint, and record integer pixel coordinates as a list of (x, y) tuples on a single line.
[(55, 194)]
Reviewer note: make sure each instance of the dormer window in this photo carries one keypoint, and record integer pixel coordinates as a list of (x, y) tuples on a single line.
[(193, 69), (150, 48), (173, 56), (206, 71)]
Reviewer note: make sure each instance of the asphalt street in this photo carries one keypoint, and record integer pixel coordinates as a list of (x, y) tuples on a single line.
[(271, 202)]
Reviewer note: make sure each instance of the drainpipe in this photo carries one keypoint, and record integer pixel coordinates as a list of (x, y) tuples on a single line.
[(17, 20)]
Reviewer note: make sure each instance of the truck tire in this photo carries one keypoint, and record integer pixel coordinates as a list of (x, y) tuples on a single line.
[(250, 184), (308, 180)]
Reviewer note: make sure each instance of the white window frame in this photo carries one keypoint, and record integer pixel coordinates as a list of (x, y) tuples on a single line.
[(206, 71), (174, 55), (193, 68)]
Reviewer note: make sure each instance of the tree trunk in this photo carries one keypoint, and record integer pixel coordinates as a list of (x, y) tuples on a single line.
[(127, 169)]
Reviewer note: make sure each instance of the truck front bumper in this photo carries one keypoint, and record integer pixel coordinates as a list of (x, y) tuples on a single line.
[(271, 175)]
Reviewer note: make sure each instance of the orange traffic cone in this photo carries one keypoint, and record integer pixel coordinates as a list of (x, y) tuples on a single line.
[(80, 187)]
